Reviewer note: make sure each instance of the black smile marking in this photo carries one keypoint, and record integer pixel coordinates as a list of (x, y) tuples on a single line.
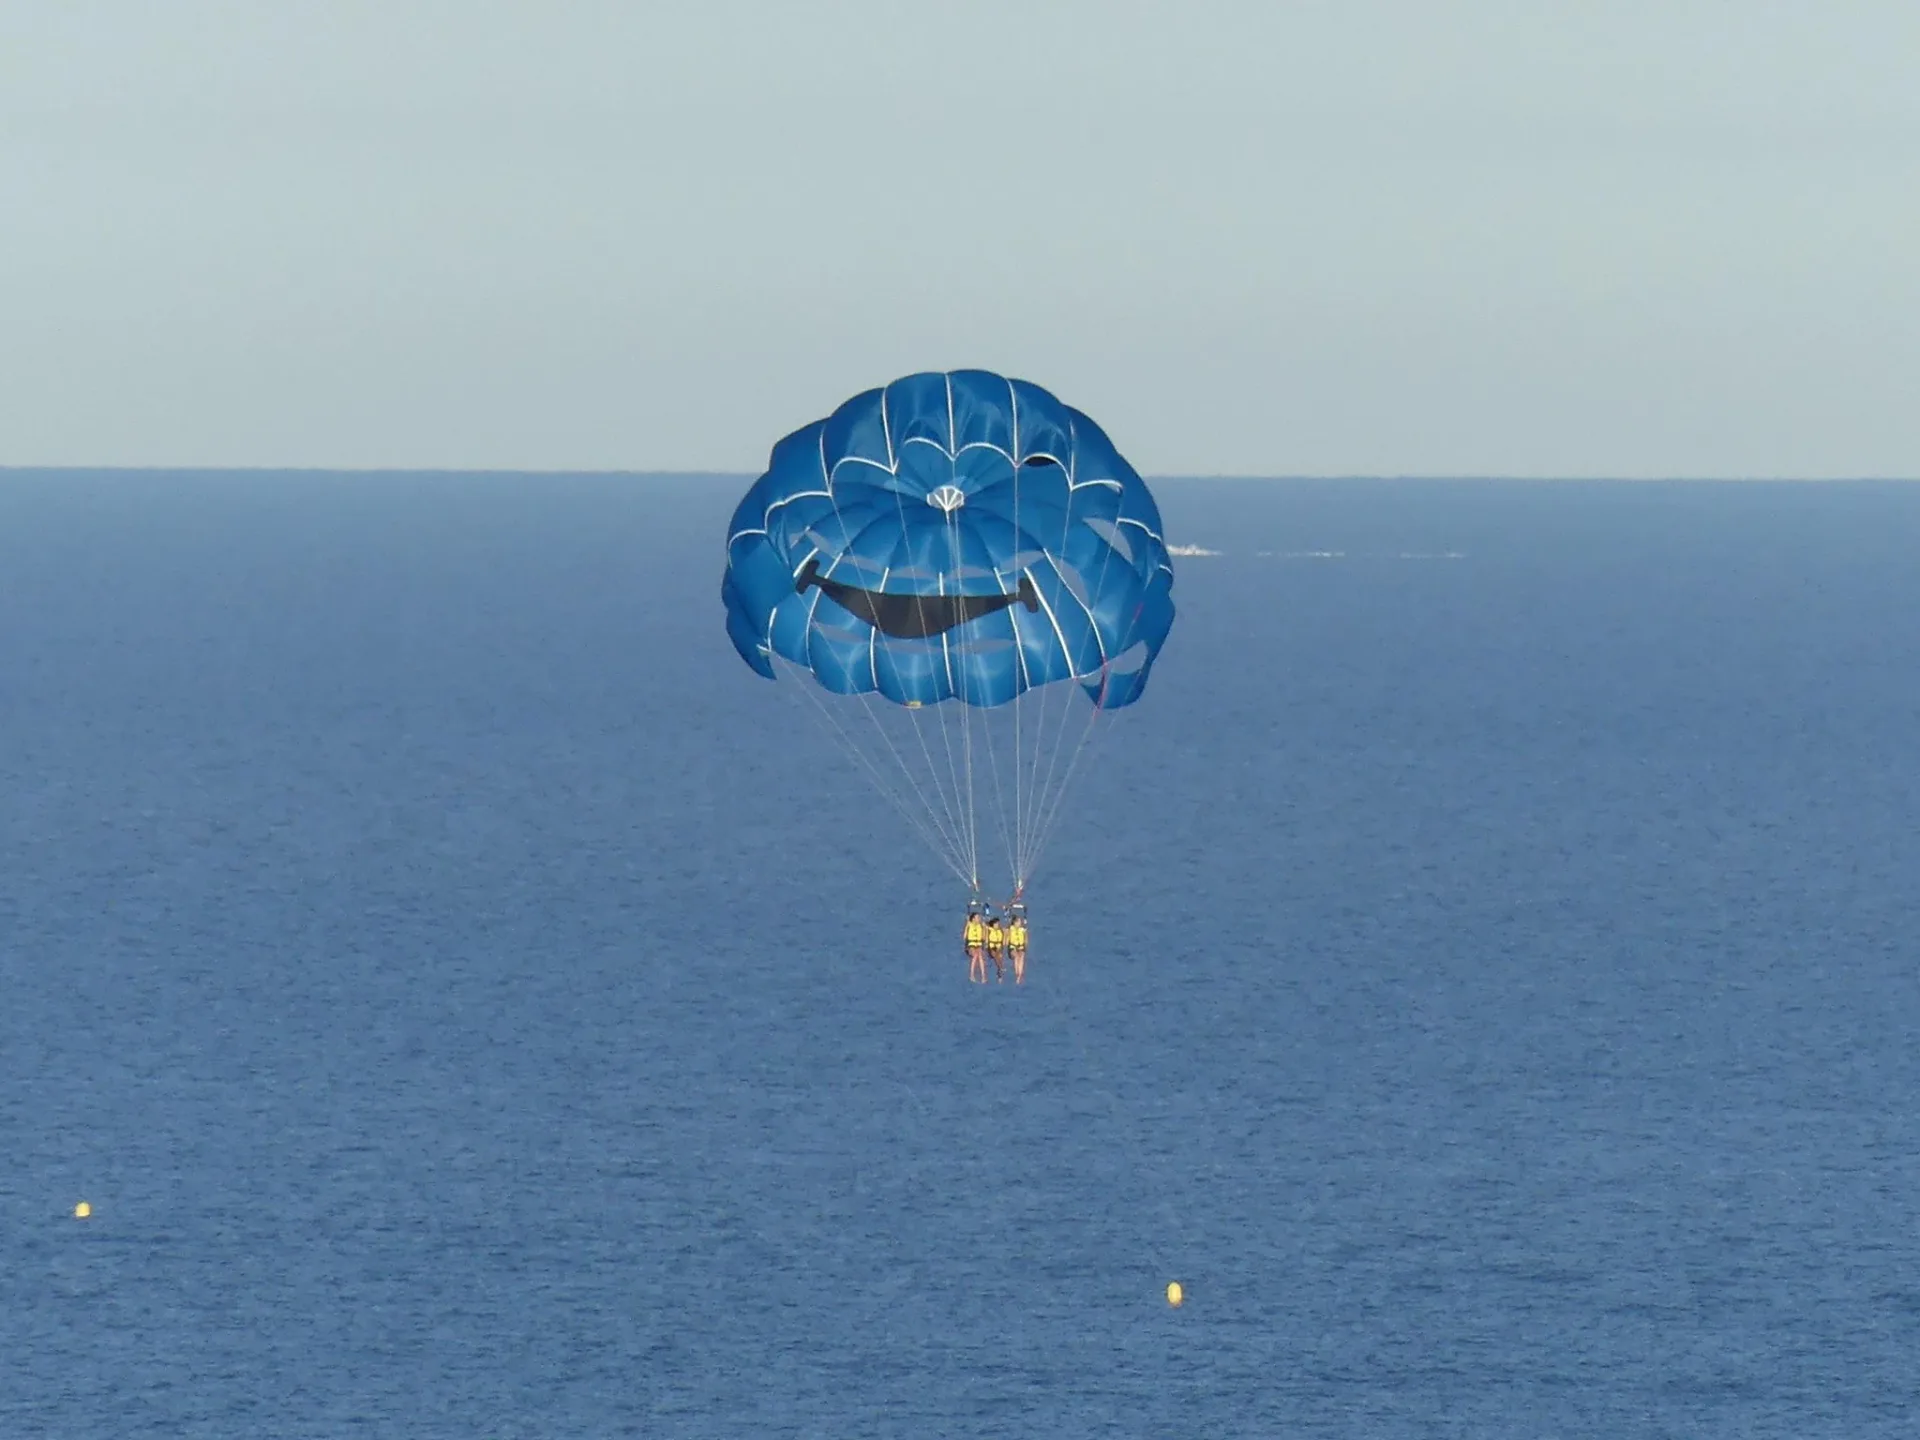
[(913, 617)]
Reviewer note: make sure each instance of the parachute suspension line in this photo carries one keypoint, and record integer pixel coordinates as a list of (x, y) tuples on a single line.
[(1019, 708), (1033, 710), (991, 743), (1095, 711), (1043, 790), (956, 554), (958, 802), (1020, 787), (1067, 687), (1033, 706), (1052, 798), (950, 833), (1040, 700), (1037, 787), (947, 804), (1046, 793), (1081, 747), (940, 843), (1098, 706), (936, 839), (962, 795)]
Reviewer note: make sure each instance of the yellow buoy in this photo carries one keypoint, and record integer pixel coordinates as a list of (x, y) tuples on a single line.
[(1175, 1294), (82, 1210)]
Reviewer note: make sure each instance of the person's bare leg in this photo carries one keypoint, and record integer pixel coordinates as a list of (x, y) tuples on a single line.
[(976, 965), (1020, 965)]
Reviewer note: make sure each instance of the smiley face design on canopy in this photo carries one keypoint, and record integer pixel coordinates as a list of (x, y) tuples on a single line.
[(956, 536)]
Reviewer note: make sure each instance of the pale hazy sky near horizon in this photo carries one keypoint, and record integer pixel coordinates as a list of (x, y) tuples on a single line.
[(1635, 238)]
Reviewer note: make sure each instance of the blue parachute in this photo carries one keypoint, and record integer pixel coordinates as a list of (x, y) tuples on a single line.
[(954, 537), (951, 536)]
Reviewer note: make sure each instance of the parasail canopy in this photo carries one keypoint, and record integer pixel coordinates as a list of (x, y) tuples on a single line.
[(964, 551)]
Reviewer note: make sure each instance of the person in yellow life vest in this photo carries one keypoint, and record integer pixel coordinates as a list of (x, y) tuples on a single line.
[(996, 939), (1017, 944), (974, 938)]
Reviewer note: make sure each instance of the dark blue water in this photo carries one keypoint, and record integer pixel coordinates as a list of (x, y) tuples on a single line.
[(1483, 973)]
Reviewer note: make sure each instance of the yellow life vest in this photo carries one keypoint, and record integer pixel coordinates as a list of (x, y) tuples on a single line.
[(1017, 935), (975, 932), (993, 932)]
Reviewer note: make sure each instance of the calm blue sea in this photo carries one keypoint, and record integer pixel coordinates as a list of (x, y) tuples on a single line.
[(1483, 972)]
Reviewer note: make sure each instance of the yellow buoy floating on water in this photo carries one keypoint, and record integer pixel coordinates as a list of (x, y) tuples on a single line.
[(82, 1210), (1175, 1294)]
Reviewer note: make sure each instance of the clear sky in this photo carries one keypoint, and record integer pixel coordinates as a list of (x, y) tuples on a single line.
[(1637, 237)]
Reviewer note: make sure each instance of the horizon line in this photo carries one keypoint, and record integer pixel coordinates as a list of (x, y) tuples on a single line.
[(1175, 477)]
